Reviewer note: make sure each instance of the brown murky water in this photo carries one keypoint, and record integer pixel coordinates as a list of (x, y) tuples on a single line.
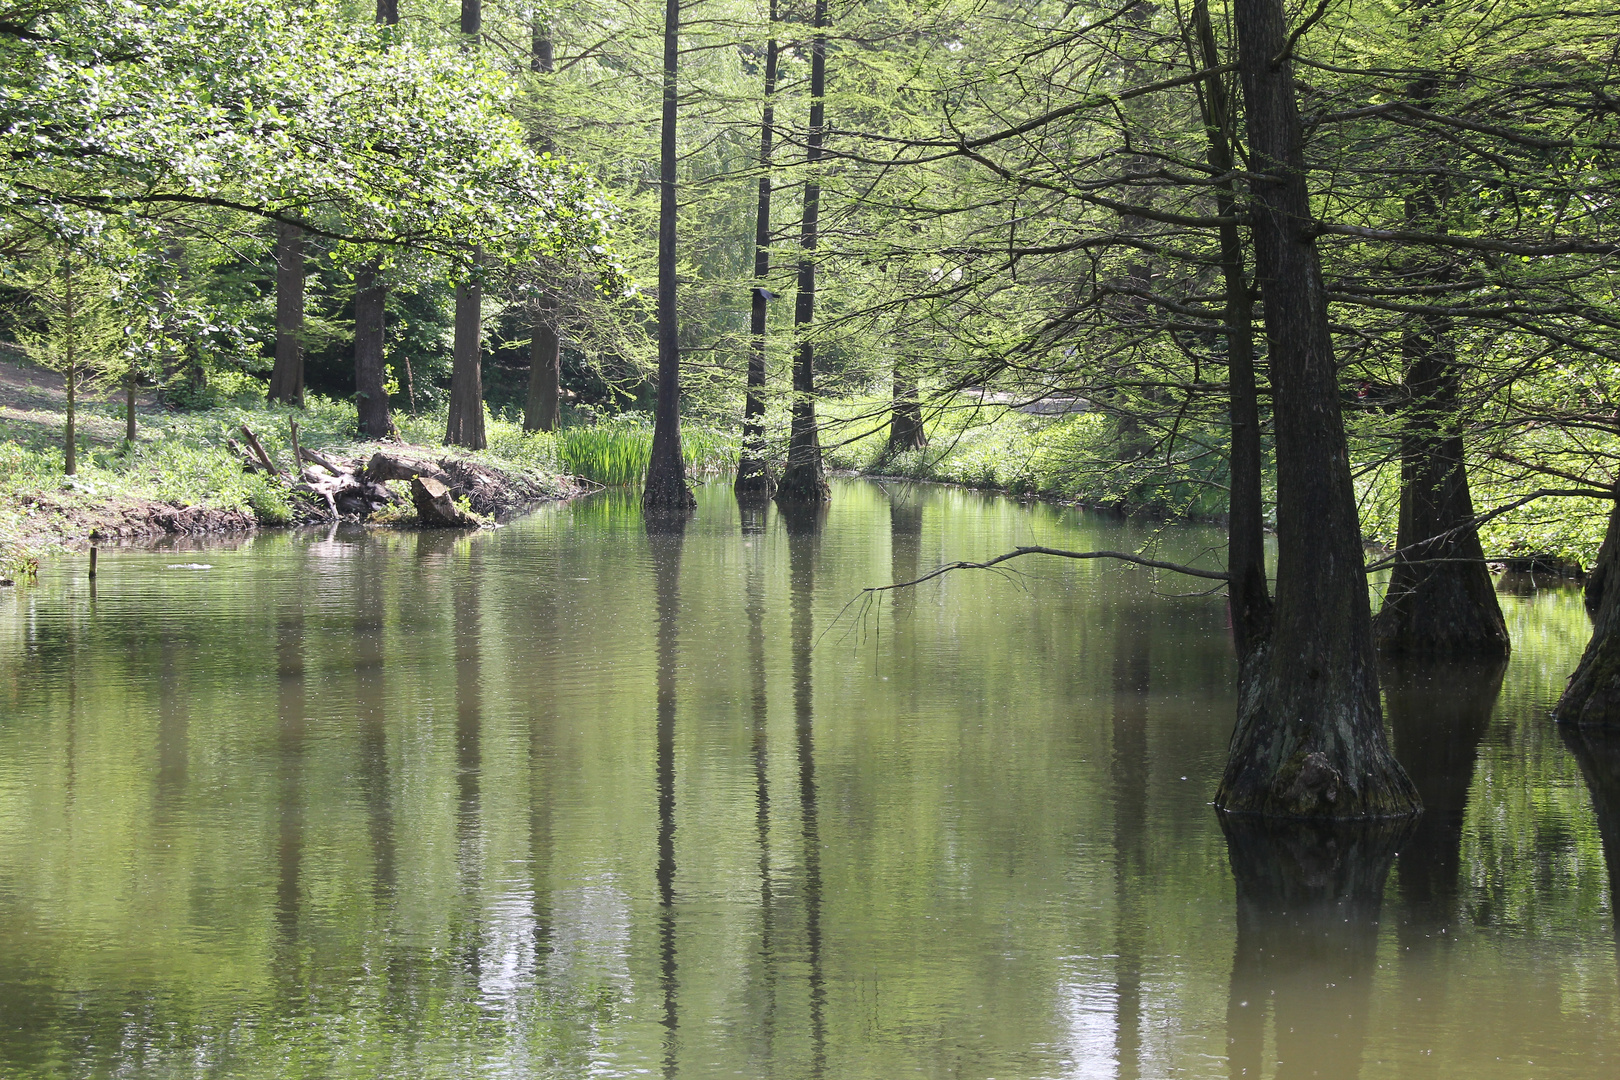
[(571, 800)]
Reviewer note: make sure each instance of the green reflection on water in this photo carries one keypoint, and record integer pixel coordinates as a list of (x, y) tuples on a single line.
[(576, 797)]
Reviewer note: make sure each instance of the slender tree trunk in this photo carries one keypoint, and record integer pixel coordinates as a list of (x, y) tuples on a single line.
[(753, 478), (540, 410), (666, 490), (129, 404), (287, 377), (802, 480), (370, 392), (70, 441), (1248, 595), (1592, 697), (1309, 740), (466, 422), (1440, 600), (465, 426)]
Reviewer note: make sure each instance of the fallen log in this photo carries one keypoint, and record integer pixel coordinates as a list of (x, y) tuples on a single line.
[(435, 507)]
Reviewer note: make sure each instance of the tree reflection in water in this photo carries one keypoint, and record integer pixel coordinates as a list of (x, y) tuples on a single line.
[(1597, 750), (1308, 905), (666, 535)]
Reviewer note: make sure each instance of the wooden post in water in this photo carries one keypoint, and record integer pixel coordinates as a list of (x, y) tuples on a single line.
[(92, 562)]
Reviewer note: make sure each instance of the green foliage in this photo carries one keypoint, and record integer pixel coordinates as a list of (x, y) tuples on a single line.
[(615, 451)]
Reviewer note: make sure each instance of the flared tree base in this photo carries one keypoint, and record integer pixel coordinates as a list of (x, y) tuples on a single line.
[(753, 482), (1442, 611), (802, 485)]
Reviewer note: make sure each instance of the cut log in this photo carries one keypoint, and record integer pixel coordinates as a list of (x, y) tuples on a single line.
[(384, 466), (434, 506)]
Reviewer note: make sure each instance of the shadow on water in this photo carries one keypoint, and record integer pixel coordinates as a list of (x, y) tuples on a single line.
[(1438, 712), (1597, 751), (1308, 907), (371, 716), (803, 526), (467, 644), (666, 535), (754, 515), (1128, 770), (905, 548), (291, 733)]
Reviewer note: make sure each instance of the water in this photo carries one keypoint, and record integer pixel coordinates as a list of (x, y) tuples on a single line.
[(570, 800)]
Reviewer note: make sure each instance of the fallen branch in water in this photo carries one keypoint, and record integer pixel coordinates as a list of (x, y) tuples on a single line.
[(1122, 556)]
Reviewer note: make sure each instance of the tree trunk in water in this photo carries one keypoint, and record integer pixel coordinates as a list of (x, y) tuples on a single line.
[(1248, 593), (802, 480), (370, 393), (1309, 740), (1592, 698), (466, 422), (753, 479), (666, 491), (1441, 600), (541, 409), (287, 377)]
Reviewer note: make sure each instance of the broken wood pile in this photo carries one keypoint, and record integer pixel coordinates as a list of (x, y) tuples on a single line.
[(355, 490)]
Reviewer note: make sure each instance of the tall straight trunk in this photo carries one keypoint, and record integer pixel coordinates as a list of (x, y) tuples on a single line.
[(1441, 600), (1592, 696), (666, 490), (752, 477), (1248, 595), (70, 440), (370, 392), (802, 480), (1309, 739), (129, 403), (465, 426), (541, 409), (287, 377)]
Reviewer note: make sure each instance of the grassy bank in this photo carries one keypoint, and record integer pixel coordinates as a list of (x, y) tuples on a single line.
[(181, 476), (1089, 459)]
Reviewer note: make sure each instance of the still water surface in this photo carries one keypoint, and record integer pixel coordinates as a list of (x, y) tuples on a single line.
[(568, 799)]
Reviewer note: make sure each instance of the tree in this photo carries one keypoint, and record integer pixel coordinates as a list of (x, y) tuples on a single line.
[(666, 490), (287, 377), (753, 478), (465, 426), (541, 409), (802, 479), (75, 332)]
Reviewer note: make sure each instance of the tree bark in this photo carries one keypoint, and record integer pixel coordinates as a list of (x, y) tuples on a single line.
[(287, 377), (1592, 698), (1248, 593), (666, 490), (802, 479), (388, 12), (465, 426), (370, 393), (541, 411), (905, 411), (129, 403), (753, 479), (1309, 739), (70, 440)]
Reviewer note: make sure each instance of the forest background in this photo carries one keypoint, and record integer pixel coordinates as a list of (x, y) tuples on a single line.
[(1019, 275)]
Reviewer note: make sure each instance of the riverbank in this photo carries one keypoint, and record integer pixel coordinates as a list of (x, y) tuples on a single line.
[(187, 471)]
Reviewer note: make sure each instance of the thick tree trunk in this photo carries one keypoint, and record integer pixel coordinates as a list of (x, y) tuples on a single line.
[(1592, 698), (753, 478), (666, 490), (1248, 593), (370, 392), (1441, 600), (388, 12), (542, 408), (802, 480), (287, 377), (905, 411), (465, 426), (1309, 740)]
